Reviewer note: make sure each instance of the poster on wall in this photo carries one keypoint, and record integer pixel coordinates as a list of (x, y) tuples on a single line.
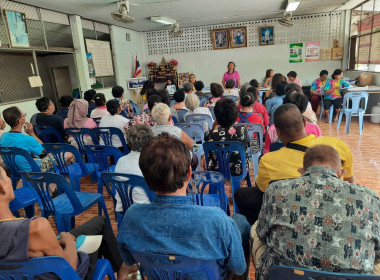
[(101, 57), (295, 52), (17, 28), (91, 68), (363, 49), (312, 51), (375, 49)]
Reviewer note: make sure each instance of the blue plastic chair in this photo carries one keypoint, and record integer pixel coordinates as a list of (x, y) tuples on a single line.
[(175, 120), (172, 267), (223, 150), (258, 130), (135, 107), (57, 265), (124, 184), (199, 119), (280, 272), (233, 97), (271, 121), (202, 101), (181, 113), (48, 134), (172, 102), (216, 196), (79, 135), (355, 98), (74, 171), (97, 120), (109, 133), (211, 108), (65, 206)]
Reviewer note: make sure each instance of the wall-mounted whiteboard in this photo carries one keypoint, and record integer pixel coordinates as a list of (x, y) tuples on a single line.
[(102, 57)]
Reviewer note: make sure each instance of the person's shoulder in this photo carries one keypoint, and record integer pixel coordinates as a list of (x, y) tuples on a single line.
[(39, 225), (330, 140)]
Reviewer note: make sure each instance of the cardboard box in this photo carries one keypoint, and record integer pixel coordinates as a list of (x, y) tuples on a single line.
[(325, 54), (337, 54)]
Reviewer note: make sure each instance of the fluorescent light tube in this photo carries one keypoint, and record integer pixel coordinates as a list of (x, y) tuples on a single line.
[(292, 6), (163, 20)]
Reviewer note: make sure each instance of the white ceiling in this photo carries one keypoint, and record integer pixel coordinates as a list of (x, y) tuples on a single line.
[(187, 13)]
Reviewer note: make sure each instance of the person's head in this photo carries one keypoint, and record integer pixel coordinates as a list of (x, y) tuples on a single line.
[(165, 164), (152, 100), (226, 112), (89, 95), (151, 92), (323, 75), (138, 136), (14, 117), (230, 84), (192, 79), (65, 101), (293, 87), (100, 100), (192, 101), (113, 107), (45, 105), (188, 87), (277, 79), (247, 99), (289, 123), (117, 92), (6, 188), (199, 85), (164, 96), (161, 113), (170, 81), (322, 155), (254, 83), (292, 75), (337, 74), (231, 66), (298, 99), (147, 85), (216, 90), (280, 89), (269, 73), (244, 88), (179, 96), (77, 114), (254, 91)]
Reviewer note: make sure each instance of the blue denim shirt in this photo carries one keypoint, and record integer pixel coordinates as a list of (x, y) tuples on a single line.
[(174, 225)]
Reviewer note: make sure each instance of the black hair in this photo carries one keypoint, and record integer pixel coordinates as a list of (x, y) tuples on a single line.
[(42, 104), (226, 112), (113, 106), (336, 73), (173, 82), (89, 95), (117, 91), (152, 100), (323, 72), (65, 101), (247, 99), (267, 73), (254, 91), (199, 85), (254, 83), (230, 83), (216, 90), (232, 63), (298, 99), (151, 92), (164, 96), (280, 89), (147, 85), (100, 99), (12, 115), (292, 74), (179, 96)]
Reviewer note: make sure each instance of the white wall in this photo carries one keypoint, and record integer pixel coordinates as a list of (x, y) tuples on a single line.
[(28, 107)]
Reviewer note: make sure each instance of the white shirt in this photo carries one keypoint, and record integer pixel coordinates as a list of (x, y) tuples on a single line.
[(231, 91), (114, 121), (129, 164), (99, 112)]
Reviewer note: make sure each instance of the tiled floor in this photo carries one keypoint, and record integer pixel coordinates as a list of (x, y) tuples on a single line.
[(365, 149)]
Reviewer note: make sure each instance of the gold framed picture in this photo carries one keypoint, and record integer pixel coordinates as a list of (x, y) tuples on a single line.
[(220, 39), (266, 35), (182, 78), (238, 37)]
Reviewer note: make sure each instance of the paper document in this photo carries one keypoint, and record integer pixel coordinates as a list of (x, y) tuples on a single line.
[(35, 81)]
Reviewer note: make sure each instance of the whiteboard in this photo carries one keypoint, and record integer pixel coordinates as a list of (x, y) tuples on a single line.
[(102, 57)]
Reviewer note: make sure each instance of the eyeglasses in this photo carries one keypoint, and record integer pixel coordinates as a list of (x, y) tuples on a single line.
[(23, 115)]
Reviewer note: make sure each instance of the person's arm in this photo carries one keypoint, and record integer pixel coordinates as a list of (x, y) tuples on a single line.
[(263, 229), (239, 84), (263, 177), (238, 79), (187, 140), (28, 128), (267, 80), (313, 89)]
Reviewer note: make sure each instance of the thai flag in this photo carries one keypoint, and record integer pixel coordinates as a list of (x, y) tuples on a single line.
[(137, 69)]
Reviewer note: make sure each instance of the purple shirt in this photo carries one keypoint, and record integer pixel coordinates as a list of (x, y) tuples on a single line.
[(234, 76)]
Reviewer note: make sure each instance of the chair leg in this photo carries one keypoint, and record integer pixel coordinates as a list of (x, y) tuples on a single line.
[(102, 205), (348, 122), (103, 269), (340, 119), (255, 162), (235, 184), (361, 124), (331, 114), (321, 114)]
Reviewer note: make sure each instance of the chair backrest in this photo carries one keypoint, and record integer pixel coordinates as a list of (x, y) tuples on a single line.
[(356, 98), (97, 120), (202, 100), (199, 119), (274, 108), (215, 182), (124, 184), (79, 136), (211, 108), (135, 107), (100, 154), (37, 266), (57, 151), (171, 267), (193, 130), (109, 133), (254, 129), (223, 150), (233, 97), (48, 134), (181, 113), (41, 182), (280, 272)]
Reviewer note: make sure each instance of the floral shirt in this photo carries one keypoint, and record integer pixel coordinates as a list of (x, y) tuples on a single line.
[(337, 92), (126, 106), (320, 222), (143, 118), (318, 84), (212, 101), (231, 134), (179, 105)]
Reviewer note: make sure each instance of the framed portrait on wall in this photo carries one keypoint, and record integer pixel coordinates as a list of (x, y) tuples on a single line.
[(238, 37), (17, 29), (220, 39), (266, 35), (182, 78)]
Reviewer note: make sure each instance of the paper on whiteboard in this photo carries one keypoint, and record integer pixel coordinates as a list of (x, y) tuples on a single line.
[(102, 57)]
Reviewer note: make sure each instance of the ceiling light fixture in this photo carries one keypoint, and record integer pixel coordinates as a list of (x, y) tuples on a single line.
[(292, 5), (163, 20)]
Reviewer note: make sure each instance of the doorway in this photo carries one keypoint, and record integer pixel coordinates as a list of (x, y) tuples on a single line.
[(61, 82)]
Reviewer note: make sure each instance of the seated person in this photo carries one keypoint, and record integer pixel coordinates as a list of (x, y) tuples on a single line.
[(118, 93), (198, 89), (292, 78), (309, 113), (267, 80), (89, 97), (15, 118), (172, 224), (138, 136), (101, 109), (179, 97), (188, 88), (166, 100), (217, 93), (300, 100), (276, 80), (114, 119), (230, 89), (226, 114), (257, 107), (192, 104), (65, 102), (285, 162), (254, 83), (171, 84), (146, 118), (317, 88), (46, 116), (272, 103), (25, 238), (317, 221), (149, 93)]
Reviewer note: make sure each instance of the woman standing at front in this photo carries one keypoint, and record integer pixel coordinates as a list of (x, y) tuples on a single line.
[(231, 74)]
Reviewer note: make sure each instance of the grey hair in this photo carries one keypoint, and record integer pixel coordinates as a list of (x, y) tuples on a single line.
[(138, 136), (192, 101), (244, 87), (161, 113), (187, 86)]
